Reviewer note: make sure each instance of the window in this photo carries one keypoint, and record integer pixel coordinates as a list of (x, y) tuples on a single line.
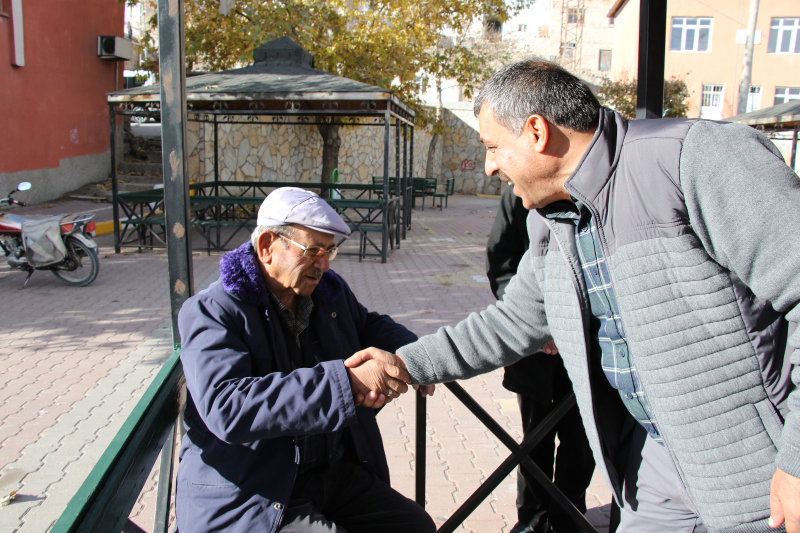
[(690, 34), (786, 94), (575, 15), (523, 28), (544, 31), (783, 36), (711, 103), (753, 98), (567, 52), (605, 61), (493, 29)]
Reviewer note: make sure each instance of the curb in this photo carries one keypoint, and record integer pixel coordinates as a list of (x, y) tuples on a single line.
[(104, 228)]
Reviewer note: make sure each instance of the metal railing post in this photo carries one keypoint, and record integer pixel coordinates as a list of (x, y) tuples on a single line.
[(164, 494), (173, 136), (421, 447)]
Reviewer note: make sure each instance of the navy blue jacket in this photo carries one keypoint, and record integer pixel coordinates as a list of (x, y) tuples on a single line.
[(245, 405)]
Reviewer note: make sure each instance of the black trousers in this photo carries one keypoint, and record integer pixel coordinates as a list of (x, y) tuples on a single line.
[(574, 466), (346, 498)]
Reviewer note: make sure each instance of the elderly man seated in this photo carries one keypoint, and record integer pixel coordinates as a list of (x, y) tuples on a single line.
[(280, 436)]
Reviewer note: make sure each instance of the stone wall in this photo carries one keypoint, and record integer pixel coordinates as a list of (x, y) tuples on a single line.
[(259, 151), (463, 154)]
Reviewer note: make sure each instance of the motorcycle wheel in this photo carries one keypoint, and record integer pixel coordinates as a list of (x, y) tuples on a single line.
[(81, 266)]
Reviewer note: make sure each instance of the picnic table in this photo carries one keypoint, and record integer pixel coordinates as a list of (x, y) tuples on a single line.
[(234, 205), (141, 219)]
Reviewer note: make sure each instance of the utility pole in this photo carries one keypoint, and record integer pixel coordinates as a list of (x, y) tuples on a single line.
[(747, 60)]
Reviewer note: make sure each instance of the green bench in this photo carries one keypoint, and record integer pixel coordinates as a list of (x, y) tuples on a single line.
[(420, 188), (449, 189), (365, 216)]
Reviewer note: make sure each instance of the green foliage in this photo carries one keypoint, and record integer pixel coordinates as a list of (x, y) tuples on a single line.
[(394, 44), (621, 97), (676, 96)]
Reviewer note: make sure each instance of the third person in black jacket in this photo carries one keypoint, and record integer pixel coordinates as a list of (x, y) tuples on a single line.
[(539, 382)]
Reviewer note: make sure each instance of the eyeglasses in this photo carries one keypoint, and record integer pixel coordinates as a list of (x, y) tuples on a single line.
[(314, 252)]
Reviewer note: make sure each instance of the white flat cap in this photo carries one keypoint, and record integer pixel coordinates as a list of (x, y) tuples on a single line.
[(293, 205)]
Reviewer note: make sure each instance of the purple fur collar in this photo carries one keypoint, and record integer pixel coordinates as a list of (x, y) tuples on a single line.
[(241, 276)]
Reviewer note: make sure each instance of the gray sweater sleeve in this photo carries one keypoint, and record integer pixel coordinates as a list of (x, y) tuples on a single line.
[(744, 204), (496, 337)]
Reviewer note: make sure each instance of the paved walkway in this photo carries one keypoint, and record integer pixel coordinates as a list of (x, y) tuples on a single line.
[(74, 362)]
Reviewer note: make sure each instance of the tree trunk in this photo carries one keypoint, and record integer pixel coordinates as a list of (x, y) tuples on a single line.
[(431, 151), (435, 139), (330, 151)]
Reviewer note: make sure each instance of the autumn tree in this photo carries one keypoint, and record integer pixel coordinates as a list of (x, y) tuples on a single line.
[(389, 43), (621, 97)]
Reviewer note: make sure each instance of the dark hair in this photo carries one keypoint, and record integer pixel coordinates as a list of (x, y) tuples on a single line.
[(538, 87)]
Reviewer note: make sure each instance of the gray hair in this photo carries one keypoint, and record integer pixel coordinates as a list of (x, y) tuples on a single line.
[(538, 87), (286, 231)]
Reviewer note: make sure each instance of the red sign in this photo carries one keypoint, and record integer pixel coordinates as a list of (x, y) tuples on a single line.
[(468, 164)]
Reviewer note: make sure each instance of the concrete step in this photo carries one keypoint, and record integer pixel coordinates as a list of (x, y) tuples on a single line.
[(139, 178), (153, 156), (132, 186), (140, 167), (146, 143), (95, 196)]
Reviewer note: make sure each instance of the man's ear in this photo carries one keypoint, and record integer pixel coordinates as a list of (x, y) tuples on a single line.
[(538, 131), (264, 246)]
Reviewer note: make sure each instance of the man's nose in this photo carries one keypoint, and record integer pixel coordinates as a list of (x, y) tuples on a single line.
[(490, 167), (323, 262)]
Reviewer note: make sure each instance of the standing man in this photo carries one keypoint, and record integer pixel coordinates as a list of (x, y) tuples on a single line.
[(275, 440), (664, 263), (539, 383)]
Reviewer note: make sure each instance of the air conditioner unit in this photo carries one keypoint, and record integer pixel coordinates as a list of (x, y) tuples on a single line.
[(112, 47)]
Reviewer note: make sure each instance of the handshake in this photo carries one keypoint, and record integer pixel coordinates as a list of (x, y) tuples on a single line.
[(378, 377)]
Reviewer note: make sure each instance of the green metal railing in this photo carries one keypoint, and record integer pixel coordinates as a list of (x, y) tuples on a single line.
[(105, 499)]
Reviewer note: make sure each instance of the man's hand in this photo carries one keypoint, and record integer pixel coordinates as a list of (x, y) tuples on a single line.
[(784, 501), (372, 353), (377, 381), (377, 354), (425, 390), (550, 348)]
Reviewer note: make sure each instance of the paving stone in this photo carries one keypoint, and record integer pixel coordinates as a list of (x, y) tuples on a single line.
[(73, 363)]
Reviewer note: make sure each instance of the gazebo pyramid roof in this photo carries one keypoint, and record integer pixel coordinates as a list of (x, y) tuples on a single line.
[(281, 71)]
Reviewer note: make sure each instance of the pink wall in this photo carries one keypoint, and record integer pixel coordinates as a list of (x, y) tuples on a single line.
[(55, 106)]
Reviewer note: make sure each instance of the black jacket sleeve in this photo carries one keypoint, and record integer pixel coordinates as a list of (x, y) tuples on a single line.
[(508, 240)]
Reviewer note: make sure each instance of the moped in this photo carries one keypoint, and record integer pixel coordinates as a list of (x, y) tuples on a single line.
[(62, 244)]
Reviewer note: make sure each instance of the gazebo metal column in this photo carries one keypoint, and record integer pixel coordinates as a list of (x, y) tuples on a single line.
[(387, 125), (403, 181), (398, 178), (114, 205), (410, 172)]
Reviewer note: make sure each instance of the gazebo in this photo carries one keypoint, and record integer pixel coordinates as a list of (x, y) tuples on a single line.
[(282, 87), (777, 118)]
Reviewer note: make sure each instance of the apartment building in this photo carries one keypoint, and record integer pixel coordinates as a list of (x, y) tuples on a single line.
[(54, 76), (574, 33), (705, 45)]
